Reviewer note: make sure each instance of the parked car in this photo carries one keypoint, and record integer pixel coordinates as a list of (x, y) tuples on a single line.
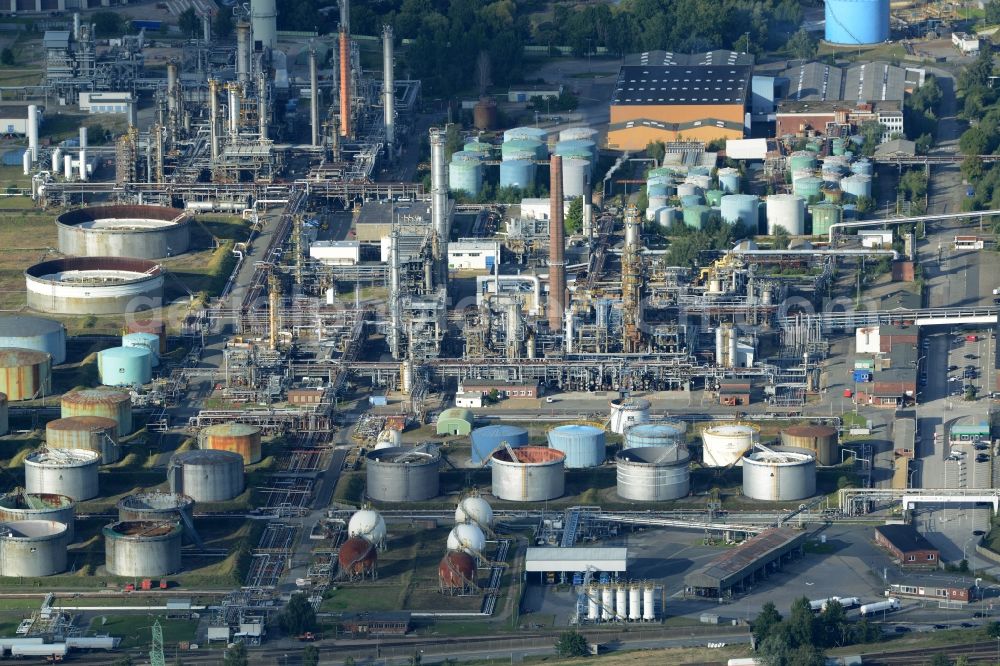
[(971, 357)]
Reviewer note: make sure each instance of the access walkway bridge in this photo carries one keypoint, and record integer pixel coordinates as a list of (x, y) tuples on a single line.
[(830, 321), (859, 501)]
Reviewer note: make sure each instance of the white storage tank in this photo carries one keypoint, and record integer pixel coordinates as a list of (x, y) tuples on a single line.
[(367, 524), (653, 473), (740, 208), (724, 444), (475, 510), (536, 474), (788, 211), (69, 472), (779, 474), (607, 603), (729, 180), (583, 444), (33, 548), (206, 476), (661, 433), (575, 174), (467, 538), (626, 412), (857, 185), (634, 603), (143, 549)]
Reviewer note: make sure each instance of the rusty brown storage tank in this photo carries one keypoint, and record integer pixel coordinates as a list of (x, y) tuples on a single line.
[(107, 402), (236, 437), (484, 114), (820, 439), (25, 373), (357, 557), (457, 570), (93, 433)]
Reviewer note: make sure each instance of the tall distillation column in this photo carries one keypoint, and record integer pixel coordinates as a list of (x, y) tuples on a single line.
[(388, 90), (631, 283), (557, 242), (243, 52), (172, 115), (213, 117), (235, 95), (262, 105), (439, 203), (313, 98), (345, 70)]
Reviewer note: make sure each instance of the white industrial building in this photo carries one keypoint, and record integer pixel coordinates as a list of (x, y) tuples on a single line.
[(336, 253), (876, 238), (570, 560), (469, 399), (473, 254), (107, 102), (14, 118), (538, 209), (967, 44)]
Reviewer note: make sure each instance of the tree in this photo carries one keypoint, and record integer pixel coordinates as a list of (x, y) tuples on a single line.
[(310, 656), (236, 656), (801, 623), (656, 150), (977, 75), (189, 23), (766, 620), (802, 45), (223, 25), (6, 57), (574, 218), (108, 24), (833, 624), (781, 238), (864, 204), (992, 12), (993, 630), (416, 659), (572, 644), (298, 616)]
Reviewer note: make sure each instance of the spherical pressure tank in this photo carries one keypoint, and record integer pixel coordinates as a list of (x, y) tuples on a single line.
[(807, 187), (582, 444), (724, 444), (140, 232), (517, 173), (535, 475), (236, 437), (125, 366), (653, 473), (206, 476), (696, 216), (107, 402), (402, 474), (663, 433), (779, 474), (457, 571), (467, 538), (824, 215), (37, 333), (740, 208), (143, 549), (33, 548), (626, 412), (536, 133), (21, 505), (157, 507), (25, 373), (357, 557), (576, 173), (729, 180), (821, 440), (367, 524), (857, 185), (578, 133), (487, 439), (714, 197), (521, 148), (788, 211), (474, 510), (91, 433), (465, 176), (70, 472), (857, 21), (150, 341)]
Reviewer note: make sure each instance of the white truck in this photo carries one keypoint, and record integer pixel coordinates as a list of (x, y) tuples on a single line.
[(890, 604)]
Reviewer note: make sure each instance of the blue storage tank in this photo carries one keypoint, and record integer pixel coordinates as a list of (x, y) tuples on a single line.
[(583, 444), (688, 200), (38, 333), (655, 434), (125, 366), (863, 167), (584, 148), (666, 181), (729, 180), (700, 171), (738, 208), (520, 148), (857, 185), (465, 176), (150, 341), (517, 173), (857, 21), (657, 190), (485, 440), (478, 147), (535, 133)]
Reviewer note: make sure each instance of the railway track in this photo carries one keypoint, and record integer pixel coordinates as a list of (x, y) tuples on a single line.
[(984, 652)]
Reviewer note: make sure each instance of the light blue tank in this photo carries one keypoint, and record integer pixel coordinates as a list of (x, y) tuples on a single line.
[(713, 197), (125, 366), (688, 200), (657, 190), (857, 21), (519, 148), (583, 444), (741, 208), (696, 216), (517, 173), (485, 440), (584, 148), (655, 434), (38, 333), (660, 180), (700, 171), (863, 167), (535, 133), (729, 180), (857, 185), (807, 187), (483, 149), (465, 176), (150, 341)]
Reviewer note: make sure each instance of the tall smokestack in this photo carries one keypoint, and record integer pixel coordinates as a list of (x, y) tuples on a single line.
[(345, 84), (557, 263), (243, 52), (388, 89), (313, 98), (213, 117), (439, 200)]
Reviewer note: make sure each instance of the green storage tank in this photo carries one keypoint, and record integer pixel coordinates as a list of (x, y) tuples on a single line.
[(824, 215), (696, 216), (713, 197)]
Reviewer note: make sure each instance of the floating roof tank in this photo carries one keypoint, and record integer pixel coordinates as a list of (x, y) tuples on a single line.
[(70, 472), (403, 474), (779, 474), (137, 232), (19, 504), (143, 549), (535, 474), (653, 473)]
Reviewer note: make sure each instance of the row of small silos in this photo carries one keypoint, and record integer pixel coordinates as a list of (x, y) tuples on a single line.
[(632, 602)]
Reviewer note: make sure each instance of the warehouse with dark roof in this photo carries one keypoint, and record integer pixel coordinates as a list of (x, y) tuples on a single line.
[(665, 96), (740, 568)]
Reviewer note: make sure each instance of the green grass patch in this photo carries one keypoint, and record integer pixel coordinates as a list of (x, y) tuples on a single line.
[(16, 203), (371, 596), (136, 631)]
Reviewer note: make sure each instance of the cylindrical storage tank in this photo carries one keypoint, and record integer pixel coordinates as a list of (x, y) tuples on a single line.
[(37, 333), (655, 204), (519, 148), (687, 189), (621, 604), (575, 175), (479, 148), (69, 472), (594, 604), (700, 170), (837, 146), (788, 211), (807, 187), (740, 209), (607, 603), (649, 603), (801, 161), (627, 412), (583, 444), (33, 548), (125, 366), (150, 341), (696, 216), (25, 373), (723, 445), (236, 437), (666, 181), (833, 194), (863, 167), (517, 173), (857, 21), (489, 438), (142, 549), (779, 475), (821, 440), (657, 190), (857, 185), (729, 180), (714, 197), (157, 507), (660, 172), (21, 505), (91, 433), (666, 216), (661, 433), (206, 476), (94, 285), (536, 133), (465, 176), (578, 133), (537, 474), (107, 402), (583, 148), (634, 603), (138, 232), (484, 114), (402, 474), (653, 473), (150, 325), (823, 215), (689, 200)]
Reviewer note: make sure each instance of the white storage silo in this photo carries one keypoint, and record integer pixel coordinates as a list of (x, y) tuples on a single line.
[(724, 444), (575, 174), (788, 211), (740, 209)]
